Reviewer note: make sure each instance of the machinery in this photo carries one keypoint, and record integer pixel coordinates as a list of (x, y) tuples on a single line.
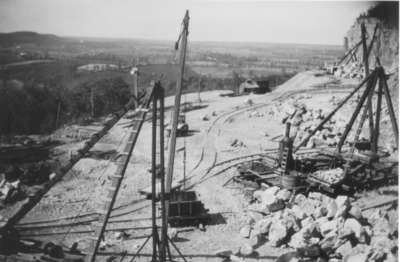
[(182, 127)]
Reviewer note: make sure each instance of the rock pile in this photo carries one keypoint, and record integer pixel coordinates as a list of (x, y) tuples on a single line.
[(338, 228), (18, 182), (304, 120), (332, 176), (350, 70)]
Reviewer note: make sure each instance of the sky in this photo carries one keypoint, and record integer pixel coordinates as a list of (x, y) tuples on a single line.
[(210, 20)]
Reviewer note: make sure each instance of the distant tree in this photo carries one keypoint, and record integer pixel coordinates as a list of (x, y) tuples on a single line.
[(236, 82)]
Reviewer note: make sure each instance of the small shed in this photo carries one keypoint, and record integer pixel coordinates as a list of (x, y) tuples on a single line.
[(256, 87)]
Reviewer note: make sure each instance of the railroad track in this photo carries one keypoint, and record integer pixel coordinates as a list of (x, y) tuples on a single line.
[(209, 144)]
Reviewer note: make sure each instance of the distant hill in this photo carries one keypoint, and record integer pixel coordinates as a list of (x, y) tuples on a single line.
[(27, 37)]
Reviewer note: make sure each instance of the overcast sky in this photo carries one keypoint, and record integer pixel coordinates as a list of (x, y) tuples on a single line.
[(211, 20)]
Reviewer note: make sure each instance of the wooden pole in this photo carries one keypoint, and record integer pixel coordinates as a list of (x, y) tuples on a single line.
[(199, 91), (164, 227), (135, 88), (378, 116), (175, 115), (372, 41), (153, 176), (349, 52), (390, 106), (353, 117), (366, 69), (364, 113)]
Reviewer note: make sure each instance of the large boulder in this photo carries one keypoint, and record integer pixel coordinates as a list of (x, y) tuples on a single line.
[(381, 227), (245, 231), (362, 257), (352, 225), (268, 196), (343, 206), (283, 194), (345, 249), (298, 240), (277, 233), (246, 249), (355, 212), (262, 226), (298, 212), (331, 209), (328, 226)]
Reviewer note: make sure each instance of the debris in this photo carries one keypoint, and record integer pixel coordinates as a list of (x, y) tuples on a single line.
[(331, 176)]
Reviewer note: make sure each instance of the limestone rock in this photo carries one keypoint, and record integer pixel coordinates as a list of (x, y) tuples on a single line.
[(234, 258), (352, 225), (299, 199), (328, 226), (357, 258), (277, 233), (382, 243), (307, 221), (263, 225), (381, 227), (315, 195), (245, 231), (283, 194), (344, 249), (246, 249), (355, 212), (255, 238), (332, 209), (298, 212), (297, 240), (343, 205), (320, 212), (223, 252)]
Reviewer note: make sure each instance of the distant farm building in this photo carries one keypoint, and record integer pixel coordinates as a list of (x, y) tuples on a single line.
[(97, 68), (256, 87)]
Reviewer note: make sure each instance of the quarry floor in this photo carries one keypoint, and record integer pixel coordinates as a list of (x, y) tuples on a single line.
[(210, 142)]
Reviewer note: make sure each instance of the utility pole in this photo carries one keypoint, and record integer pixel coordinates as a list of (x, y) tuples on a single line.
[(92, 101), (58, 112), (199, 90), (134, 90), (183, 44), (366, 70)]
